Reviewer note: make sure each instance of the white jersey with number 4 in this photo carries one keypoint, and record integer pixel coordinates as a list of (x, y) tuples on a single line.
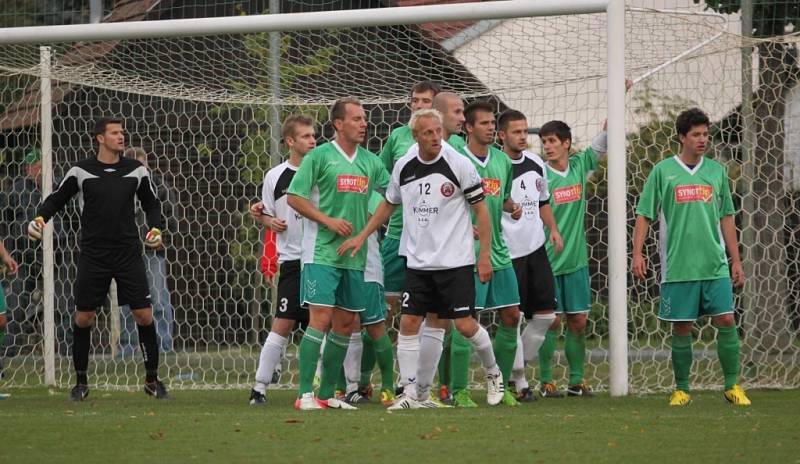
[(273, 197), (436, 197), (529, 190)]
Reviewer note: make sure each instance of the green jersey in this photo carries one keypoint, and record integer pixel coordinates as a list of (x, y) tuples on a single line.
[(396, 146), (340, 187), (689, 204), (496, 176), (568, 201)]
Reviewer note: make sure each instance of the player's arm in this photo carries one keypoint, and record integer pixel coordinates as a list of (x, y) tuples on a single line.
[(378, 218), (514, 208), (484, 226), (549, 220), (639, 263), (728, 226), (53, 204), (264, 210), (8, 261), (305, 208), (151, 206)]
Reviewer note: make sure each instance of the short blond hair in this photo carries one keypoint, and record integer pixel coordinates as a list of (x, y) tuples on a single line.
[(423, 114)]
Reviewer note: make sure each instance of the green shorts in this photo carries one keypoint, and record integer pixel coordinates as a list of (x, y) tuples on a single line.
[(2, 301), (500, 292), (686, 301), (573, 292), (325, 285), (375, 311), (394, 267)]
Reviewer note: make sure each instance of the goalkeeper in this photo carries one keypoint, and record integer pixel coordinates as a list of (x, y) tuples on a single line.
[(109, 246)]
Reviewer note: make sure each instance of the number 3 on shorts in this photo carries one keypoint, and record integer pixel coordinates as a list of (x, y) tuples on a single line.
[(284, 305)]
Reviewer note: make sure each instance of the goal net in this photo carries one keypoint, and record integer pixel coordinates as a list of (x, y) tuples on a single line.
[(203, 109)]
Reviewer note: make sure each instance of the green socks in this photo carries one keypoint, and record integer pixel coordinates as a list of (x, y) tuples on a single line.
[(546, 352), (367, 358), (575, 349), (444, 360), (332, 360), (384, 353), (460, 353), (682, 360), (728, 349), (309, 355), (505, 349)]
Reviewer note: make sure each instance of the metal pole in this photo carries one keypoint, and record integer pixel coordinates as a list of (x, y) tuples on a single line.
[(299, 21), (95, 11), (46, 123), (275, 86), (617, 203)]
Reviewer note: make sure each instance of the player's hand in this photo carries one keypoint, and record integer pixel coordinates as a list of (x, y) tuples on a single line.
[(278, 225), (516, 211), (639, 266), (153, 239), (257, 211), (556, 241), (628, 85), (484, 269), (737, 274), (36, 228), (354, 243), (11, 265), (339, 226)]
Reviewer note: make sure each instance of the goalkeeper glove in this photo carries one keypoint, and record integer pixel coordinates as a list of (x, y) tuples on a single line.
[(153, 239), (36, 228)]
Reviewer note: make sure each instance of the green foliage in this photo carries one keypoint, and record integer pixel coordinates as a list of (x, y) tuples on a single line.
[(770, 17)]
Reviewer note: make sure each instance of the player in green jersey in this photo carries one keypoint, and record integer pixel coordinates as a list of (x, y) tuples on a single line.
[(10, 269), (331, 191), (501, 292), (690, 195)]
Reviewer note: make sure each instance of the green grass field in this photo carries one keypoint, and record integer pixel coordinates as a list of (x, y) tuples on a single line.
[(41, 425)]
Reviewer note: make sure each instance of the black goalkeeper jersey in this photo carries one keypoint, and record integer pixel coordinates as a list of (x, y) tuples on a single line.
[(105, 197)]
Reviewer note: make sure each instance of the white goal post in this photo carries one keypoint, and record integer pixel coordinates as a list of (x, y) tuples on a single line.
[(614, 9)]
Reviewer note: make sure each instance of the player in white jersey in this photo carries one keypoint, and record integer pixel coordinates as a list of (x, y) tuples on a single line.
[(274, 212), (437, 187), (525, 239)]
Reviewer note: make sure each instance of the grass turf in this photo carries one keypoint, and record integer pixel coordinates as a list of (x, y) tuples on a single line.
[(41, 425)]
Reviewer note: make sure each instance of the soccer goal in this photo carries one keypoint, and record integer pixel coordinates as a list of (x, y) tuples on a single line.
[(204, 98)]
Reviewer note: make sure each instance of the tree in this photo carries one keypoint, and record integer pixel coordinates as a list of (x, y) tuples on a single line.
[(765, 212)]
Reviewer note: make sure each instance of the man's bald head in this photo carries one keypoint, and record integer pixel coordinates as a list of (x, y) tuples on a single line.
[(452, 109)]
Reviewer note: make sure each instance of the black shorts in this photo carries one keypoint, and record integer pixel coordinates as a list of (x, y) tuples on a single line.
[(96, 268), (288, 304), (536, 283), (449, 293)]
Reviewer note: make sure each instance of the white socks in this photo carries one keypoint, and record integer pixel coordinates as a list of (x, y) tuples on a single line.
[(482, 345), (534, 333), (430, 351), (518, 371), (408, 360), (352, 361), (271, 354)]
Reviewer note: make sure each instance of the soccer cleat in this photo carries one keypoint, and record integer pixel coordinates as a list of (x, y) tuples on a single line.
[(316, 382), (509, 399), (339, 394), (257, 398), (354, 397), (387, 397), (79, 392), (462, 399), (679, 398), (444, 395), (736, 396), (580, 389), (525, 395), (156, 389), (432, 403), (549, 390), (308, 402), (336, 403), (365, 391), (404, 402), (495, 389)]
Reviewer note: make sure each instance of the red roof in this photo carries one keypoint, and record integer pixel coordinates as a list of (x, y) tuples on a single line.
[(439, 31)]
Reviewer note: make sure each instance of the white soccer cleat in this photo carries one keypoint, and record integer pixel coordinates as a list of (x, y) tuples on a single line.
[(404, 402), (308, 402), (494, 389), (36, 228), (432, 403), (153, 239), (335, 403)]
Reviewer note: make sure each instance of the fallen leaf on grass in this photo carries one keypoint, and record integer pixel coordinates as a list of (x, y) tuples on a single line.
[(157, 435), (293, 421)]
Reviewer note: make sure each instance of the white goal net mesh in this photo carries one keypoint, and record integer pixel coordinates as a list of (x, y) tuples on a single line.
[(201, 108)]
